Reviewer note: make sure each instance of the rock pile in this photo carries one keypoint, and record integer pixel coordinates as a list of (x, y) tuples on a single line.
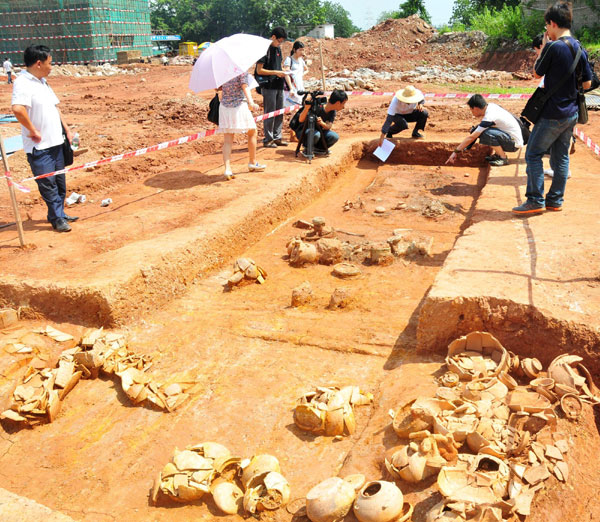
[(106, 69)]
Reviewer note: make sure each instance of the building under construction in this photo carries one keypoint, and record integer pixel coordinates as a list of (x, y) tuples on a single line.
[(77, 31)]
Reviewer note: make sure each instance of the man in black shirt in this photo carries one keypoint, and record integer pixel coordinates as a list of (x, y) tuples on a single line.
[(270, 66), (325, 118)]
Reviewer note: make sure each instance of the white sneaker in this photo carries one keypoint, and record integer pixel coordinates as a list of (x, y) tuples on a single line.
[(229, 175), (256, 167)]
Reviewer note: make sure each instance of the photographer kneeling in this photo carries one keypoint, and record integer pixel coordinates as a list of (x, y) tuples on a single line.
[(324, 117)]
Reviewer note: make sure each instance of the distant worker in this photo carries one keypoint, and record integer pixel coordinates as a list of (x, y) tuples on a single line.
[(407, 106), (8, 69), (498, 128), (270, 66), (164, 60), (35, 106)]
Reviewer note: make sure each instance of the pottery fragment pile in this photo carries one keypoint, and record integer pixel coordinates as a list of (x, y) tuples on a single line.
[(237, 485), (245, 271), (38, 397), (502, 410), (330, 410)]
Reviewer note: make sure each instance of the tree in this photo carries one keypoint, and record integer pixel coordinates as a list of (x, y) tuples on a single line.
[(335, 14), (411, 7)]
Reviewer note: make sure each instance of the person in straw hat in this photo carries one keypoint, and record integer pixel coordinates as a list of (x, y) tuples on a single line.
[(407, 106)]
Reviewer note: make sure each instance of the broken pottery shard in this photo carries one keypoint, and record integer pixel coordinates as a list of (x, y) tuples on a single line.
[(302, 295), (346, 270), (12, 415), (64, 373), (553, 452), (57, 335), (536, 474), (563, 468), (483, 346), (8, 317), (562, 445), (301, 223), (190, 460)]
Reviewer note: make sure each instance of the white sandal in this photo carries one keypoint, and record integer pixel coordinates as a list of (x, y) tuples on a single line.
[(256, 167)]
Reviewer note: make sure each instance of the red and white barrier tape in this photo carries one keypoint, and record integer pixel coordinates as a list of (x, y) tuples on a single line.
[(202, 134), (445, 95), (145, 150), (594, 147)]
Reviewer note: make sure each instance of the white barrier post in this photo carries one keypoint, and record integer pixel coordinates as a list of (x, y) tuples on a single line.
[(11, 191)]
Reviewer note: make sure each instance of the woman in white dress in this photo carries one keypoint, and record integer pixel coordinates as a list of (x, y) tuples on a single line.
[(235, 117), (296, 64)]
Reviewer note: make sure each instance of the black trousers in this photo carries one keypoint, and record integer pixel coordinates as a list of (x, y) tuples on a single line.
[(400, 122)]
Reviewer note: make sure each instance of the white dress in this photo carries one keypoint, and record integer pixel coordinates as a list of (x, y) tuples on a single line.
[(297, 68)]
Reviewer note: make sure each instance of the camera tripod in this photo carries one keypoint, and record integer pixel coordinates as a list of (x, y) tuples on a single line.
[(308, 132)]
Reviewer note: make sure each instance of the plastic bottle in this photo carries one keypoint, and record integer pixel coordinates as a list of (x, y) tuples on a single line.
[(75, 142)]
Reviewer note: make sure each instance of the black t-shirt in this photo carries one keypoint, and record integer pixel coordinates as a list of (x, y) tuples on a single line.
[(554, 62), (272, 62), (328, 117)]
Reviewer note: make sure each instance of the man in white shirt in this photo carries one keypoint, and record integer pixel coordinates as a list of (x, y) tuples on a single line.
[(8, 69), (35, 106), (407, 106), (498, 128)]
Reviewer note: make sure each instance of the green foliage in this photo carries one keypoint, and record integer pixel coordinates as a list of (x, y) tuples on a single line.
[(456, 27), (508, 23), (464, 11), (411, 7), (386, 15), (589, 36), (209, 20)]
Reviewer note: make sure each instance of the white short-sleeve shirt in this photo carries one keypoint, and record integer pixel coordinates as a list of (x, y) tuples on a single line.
[(39, 99), (503, 120), (399, 107), (7, 66)]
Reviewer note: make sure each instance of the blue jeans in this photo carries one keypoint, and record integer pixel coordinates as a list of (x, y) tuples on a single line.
[(553, 136), (331, 138), (497, 138), (53, 190)]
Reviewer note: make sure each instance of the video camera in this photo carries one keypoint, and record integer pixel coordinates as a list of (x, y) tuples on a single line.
[(313, 98)]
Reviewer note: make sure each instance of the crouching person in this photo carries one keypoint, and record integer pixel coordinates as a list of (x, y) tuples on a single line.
[(407, 106), (325, 116), (498, 128)]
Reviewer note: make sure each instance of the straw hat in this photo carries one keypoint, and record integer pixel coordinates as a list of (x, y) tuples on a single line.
[(409, 95)]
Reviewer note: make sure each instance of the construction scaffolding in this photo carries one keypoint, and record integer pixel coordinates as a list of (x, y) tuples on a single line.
[(77, 31)]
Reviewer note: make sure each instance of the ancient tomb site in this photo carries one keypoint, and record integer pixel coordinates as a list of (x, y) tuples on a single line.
[(345, 339)]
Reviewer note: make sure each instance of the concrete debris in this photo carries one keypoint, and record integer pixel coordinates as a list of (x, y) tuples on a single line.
[(302, 295), (38, 397), (246, 271), (236, 485), (508, 427), (330, 410)]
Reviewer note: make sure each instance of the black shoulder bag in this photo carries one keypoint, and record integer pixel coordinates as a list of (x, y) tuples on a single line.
[(581, 106), (66, 146), (535, 104), (213, 110)]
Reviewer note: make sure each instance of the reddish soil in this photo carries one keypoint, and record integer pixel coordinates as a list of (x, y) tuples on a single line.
[(252, 352)]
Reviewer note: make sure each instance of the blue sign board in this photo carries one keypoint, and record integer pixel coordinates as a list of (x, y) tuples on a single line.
[(165, 37)]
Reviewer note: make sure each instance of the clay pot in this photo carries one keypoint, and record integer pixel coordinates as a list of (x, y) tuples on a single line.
[(259, 465), (330, 500), (378, 501), (228, 497), (482, 344)]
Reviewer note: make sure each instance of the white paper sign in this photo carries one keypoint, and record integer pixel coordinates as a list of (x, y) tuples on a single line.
[(383, 152)]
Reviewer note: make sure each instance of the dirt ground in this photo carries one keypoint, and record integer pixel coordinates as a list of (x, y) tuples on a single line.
[(252, 353)]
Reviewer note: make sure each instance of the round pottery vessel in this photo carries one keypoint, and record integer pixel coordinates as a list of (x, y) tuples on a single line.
[(379, 501), (330, 500)]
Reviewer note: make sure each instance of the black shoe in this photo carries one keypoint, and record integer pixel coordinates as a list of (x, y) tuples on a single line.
[(281, 143), (270, 145), (499, 162), (71, 218), (321, 152), (389, 135), (61, 225), (417, 135), (493, 157)]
